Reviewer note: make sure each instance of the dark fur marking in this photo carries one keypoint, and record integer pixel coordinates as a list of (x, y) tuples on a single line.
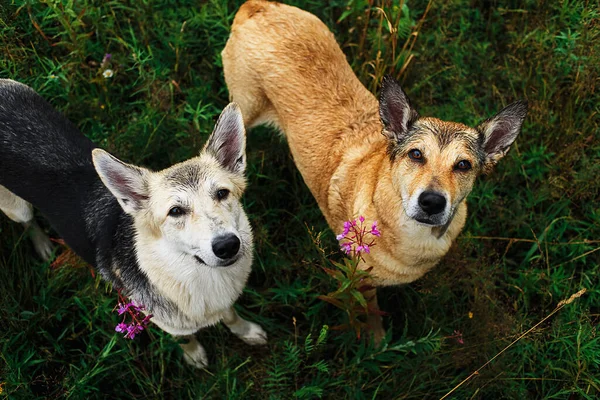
[(187, 175), (45, 160)]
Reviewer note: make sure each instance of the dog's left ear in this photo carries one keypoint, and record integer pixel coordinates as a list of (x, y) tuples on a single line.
[(395, 111), (228, 140), (499, 132)]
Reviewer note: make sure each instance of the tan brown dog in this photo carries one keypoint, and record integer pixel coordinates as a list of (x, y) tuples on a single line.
[(360, 157)]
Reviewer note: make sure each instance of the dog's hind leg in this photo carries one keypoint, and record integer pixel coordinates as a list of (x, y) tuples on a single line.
[(244, 84), (21, 211), (249, 332)]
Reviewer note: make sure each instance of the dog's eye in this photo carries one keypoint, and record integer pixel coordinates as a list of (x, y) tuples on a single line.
[(222, 194), (416, 155), (463, 165), (176, 212)]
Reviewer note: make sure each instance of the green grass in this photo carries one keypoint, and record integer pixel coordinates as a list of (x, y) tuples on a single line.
[(531, 238)]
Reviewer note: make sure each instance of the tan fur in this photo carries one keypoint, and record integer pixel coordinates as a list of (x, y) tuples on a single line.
[(283, 61), (283, 67)]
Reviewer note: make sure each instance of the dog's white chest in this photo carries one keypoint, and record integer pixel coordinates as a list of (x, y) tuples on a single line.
[(200, 294)]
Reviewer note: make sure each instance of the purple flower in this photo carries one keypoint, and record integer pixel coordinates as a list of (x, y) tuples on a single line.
[(123, 308), (130, 310), (361, 219), (366, 248), (347, 226), (374, 230), (346, 247), (133, 330)]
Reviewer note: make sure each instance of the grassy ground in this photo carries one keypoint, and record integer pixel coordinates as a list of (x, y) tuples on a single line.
[(531, 239)]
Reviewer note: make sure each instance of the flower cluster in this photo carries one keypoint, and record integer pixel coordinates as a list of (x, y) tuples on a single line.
[(354, 283), (354, 239), (138, 322)]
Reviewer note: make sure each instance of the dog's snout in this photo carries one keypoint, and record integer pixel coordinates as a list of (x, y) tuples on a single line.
[(226, 246), (432, 203)]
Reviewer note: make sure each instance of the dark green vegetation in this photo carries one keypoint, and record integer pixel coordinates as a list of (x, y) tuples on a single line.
[(531, 239)]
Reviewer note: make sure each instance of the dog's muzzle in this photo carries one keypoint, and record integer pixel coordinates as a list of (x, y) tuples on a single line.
[(432, 208)]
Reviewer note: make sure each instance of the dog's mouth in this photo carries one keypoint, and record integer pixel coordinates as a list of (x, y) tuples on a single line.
[(229, 262), (225, 263), (428, 222), (200, 261)]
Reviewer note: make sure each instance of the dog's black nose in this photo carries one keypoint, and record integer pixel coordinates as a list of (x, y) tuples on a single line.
[(226, 246), (432, 203)]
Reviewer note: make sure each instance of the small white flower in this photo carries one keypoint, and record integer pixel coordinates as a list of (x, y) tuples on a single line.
[(108, 73), (52, 76)]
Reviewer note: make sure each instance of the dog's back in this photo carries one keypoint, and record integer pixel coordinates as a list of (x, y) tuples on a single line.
[(283, 66), (45, 160)]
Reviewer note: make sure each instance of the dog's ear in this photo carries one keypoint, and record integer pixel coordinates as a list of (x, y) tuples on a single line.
[(128, 183), (499, 132), (227, 143), (395, 111)]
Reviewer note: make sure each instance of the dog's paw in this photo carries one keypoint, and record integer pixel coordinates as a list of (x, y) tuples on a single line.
[(197, 357), (254, 335), (41, 243)]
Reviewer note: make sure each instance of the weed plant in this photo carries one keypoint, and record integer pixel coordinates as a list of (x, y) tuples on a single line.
[(531, 239)]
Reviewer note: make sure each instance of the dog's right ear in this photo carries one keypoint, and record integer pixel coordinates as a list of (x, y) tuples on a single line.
[(128, 183), (397, 115), (227, 142)]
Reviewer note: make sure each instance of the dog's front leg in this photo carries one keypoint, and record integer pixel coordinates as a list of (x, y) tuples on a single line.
[(374, 317), (193, 352), (249, 332)]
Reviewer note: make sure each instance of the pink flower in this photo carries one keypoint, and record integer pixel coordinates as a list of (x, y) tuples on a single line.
[(346, 247), (146, 319), (137, 324), (374, 230), (133, 330), (459, 337), (123, 308), (355, 236)]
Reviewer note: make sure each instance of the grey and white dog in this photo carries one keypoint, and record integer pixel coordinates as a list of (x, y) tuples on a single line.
[(176, 241)]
